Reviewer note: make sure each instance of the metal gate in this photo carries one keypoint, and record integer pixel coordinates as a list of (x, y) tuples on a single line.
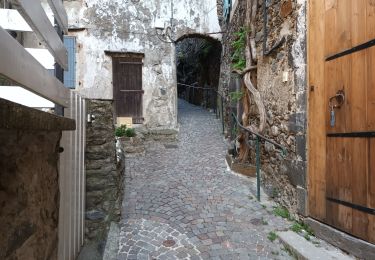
[(72, 182)]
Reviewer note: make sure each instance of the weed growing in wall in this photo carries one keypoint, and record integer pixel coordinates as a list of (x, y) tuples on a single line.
[(236, 96), (238, 56)]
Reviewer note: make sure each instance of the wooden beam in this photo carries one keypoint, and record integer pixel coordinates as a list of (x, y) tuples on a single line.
[(32, 11), (61, 17), (19, 65)]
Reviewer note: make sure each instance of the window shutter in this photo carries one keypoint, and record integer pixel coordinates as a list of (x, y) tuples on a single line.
[(70, 74), (227, 8)]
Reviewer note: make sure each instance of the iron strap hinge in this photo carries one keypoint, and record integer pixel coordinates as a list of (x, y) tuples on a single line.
[(357, 48), (353, 134), (352, 205)]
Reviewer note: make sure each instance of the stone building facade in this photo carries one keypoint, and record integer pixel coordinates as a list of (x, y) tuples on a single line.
[(281, 81), (128, 26)]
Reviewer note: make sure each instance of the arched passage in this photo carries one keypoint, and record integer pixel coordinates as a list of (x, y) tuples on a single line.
[(198, 69)]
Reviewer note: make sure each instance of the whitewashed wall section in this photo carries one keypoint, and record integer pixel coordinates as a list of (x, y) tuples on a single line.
[(129, 26)]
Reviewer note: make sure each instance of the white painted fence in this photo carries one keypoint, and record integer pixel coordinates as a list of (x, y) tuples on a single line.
[(72, 182)]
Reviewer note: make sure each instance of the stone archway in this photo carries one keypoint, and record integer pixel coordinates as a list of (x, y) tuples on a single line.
[(198, 59)]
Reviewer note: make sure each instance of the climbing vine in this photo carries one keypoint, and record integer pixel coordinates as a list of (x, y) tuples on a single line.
[(238, 59), (236, 96), (238, 56)]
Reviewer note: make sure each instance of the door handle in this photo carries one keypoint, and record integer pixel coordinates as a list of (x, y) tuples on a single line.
[(335, 102), (338, 100)]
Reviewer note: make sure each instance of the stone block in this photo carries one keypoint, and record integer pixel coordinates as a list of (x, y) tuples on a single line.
[(299, 78), (286, 8), (297, 122), (97, 184), (296, 171), (95, 215), (301, 101), (301, 146), (302, 201), (29, 194), (23, 232)]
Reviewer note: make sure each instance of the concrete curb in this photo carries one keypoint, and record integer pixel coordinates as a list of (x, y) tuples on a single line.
[(112, 245), (305, 250)]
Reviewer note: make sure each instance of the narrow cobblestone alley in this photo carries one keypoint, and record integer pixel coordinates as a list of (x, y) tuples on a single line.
[(182, 202)]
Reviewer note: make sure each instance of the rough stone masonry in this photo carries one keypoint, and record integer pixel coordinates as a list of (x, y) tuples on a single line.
[(281, 81), (104, 182), (29, 194)]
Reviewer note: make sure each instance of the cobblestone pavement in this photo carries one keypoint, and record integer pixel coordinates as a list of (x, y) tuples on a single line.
[(183, 203)]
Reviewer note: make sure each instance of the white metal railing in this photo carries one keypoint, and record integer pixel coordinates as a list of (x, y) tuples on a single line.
[(20, 66)]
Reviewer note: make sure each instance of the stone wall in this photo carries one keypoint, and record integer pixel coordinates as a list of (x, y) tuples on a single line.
[(226, 77), (29, 194), (129, 26), (282, 84), (104, 183)]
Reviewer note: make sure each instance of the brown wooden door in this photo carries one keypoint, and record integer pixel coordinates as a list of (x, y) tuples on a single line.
[(342, 156), (127, 87)]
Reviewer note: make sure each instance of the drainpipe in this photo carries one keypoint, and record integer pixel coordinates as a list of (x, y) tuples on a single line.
[(172, 29), (278, 44)]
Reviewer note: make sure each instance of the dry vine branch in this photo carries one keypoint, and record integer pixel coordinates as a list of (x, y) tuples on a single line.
[(243, 72), (259, 103), (250, 89)]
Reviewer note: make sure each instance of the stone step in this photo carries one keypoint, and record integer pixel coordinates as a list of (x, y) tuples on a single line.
[(355, 246), (304, 249)]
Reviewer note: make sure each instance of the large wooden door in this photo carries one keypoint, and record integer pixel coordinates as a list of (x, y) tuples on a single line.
[(127, 87), (341, 59)]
